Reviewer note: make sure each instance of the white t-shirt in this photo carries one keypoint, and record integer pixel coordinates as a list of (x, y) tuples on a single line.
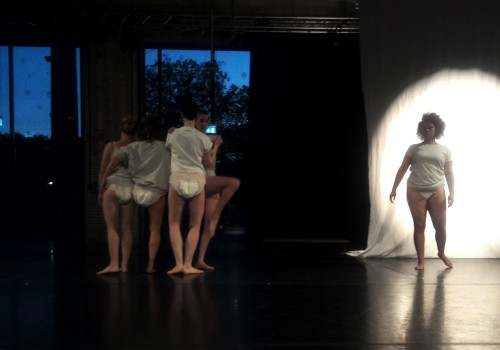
[(427, 166), (148, 164), (187, 147)]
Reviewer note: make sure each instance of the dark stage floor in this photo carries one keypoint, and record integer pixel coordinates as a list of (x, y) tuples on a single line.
[(295, 295)]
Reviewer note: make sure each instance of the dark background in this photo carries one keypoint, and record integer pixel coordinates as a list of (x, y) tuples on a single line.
[(305, 173), (308, 167)]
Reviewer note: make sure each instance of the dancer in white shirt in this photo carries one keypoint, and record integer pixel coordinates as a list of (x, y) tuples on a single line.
[(189, 150), (149, 169)]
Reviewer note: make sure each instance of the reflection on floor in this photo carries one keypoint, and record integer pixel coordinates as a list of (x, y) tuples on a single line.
[(294, 295)]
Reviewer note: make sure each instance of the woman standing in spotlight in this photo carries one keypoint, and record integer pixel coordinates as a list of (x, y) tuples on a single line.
[(429, 163)]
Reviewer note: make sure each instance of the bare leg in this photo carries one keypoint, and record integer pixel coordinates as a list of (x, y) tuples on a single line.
[(419, 241), (155, 220), (437, 211), (175, 207), (111, 211), (219, 190), (126, 216), (207, 235), (418, 209), (226, 187), (196, 208)]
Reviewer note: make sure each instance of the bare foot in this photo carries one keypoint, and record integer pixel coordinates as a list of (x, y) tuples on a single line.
[(204, 266), (419, 266), (150, 270), (446, 260), (191, 270), (176, 270), (124, 269), (109, 269)]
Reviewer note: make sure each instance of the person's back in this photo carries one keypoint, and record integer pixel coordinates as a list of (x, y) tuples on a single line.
[(189, 149), (149, 163), (148, 160), (149, 166), (115, 193), (188, 146)]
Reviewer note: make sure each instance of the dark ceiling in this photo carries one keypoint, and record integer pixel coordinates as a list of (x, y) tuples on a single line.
[(75, 18)]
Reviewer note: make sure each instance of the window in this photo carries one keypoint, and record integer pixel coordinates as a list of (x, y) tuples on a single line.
[(25, 91), (221, 87)]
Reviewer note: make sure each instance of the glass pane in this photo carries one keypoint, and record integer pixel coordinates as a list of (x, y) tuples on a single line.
[(32, 91), (150, 56), (152, 94), (4, 92), (235, 63), (237, 66)]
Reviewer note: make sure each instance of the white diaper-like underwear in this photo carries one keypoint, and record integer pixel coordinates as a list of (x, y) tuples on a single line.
[(145, 197), (188, 185), (122, 186), (188, 188)]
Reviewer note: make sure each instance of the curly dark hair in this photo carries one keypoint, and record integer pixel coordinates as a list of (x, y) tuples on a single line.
[(434, 119)]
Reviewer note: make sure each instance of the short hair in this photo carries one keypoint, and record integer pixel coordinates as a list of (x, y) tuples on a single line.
[(189, 110), (435, 119), (149, 129)]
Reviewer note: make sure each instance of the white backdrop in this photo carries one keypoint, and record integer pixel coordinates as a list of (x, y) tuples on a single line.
[(440, 56)]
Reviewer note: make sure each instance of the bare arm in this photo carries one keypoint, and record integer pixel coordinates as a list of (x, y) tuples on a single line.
[(450, 180), (399, 176), (106, 157), (210, 157), (206, 159)]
